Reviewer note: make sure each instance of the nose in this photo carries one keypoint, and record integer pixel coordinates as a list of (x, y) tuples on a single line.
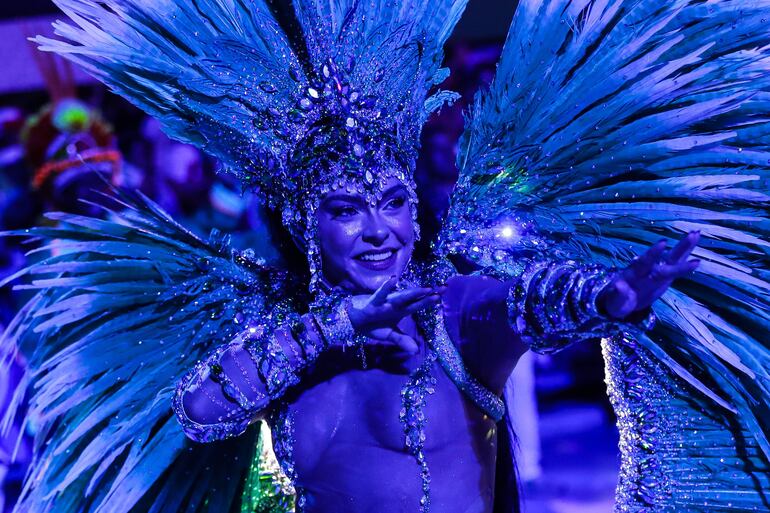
[(375, 230)]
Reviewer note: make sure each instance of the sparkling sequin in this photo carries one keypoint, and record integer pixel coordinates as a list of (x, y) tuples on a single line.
[(412, 416), (553, 304), (678, 451)]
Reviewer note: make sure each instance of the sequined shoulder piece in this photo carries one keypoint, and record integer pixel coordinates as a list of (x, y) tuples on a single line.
[(452, 363)]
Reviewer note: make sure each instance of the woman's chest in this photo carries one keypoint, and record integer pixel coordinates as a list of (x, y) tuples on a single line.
[(365, 412)]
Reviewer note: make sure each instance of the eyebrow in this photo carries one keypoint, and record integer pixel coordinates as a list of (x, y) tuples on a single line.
[(393, 190), (358, 199)]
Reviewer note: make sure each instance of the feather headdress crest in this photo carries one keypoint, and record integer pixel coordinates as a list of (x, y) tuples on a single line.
[(339, 96)]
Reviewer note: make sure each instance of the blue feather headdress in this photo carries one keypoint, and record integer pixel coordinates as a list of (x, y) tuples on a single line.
[(341, 96)]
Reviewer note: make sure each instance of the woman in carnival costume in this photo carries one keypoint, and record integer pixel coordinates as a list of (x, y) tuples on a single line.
[(609, 125)]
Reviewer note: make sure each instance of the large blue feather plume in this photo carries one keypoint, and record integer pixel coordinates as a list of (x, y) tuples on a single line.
[(612, 124), (229, 77), (123, 308)]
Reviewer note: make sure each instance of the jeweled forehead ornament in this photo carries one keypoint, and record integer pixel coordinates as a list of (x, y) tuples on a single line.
[(348, 113), (344, 140)]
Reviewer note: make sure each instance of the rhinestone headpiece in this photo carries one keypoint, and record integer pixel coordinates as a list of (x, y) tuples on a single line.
[(293, 103), (338, 138), (334, 136)]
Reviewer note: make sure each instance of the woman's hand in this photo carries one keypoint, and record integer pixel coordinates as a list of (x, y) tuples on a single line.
[(648, 277), (377, 316)]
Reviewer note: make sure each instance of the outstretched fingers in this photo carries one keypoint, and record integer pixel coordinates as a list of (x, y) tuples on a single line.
[(380, 296), (684, 248), (403, 298), (673, 271), (425, 302), (644, 264)]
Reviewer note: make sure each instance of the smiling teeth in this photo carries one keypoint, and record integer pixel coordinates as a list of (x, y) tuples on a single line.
[(375, 257)]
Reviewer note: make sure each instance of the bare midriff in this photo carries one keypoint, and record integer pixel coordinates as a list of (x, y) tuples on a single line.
[(349, 444)]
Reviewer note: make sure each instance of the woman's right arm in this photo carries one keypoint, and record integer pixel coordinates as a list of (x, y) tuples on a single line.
[(236, 383)]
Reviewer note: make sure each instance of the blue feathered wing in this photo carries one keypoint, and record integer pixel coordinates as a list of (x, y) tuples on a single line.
[(612, 124), (122, 308)]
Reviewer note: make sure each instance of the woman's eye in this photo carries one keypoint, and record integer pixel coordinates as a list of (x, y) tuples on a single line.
[(396, 202), (344, 212)]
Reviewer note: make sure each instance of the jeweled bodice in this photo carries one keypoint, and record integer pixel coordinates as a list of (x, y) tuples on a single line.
[(679, 453)]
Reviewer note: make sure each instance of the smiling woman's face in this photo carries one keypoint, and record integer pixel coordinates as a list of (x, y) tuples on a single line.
[(363, 245)]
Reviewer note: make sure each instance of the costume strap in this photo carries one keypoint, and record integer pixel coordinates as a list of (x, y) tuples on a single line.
[(452, 363)]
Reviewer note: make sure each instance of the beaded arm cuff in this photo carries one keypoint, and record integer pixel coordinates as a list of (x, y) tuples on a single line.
[(235, 419), (258, 372), (331, 314), (554, 304)]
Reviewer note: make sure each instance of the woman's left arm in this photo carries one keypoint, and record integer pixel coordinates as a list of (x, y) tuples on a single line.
[(553, 304)]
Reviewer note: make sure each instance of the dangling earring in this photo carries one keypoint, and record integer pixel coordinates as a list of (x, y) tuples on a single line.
[(313, 253)]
